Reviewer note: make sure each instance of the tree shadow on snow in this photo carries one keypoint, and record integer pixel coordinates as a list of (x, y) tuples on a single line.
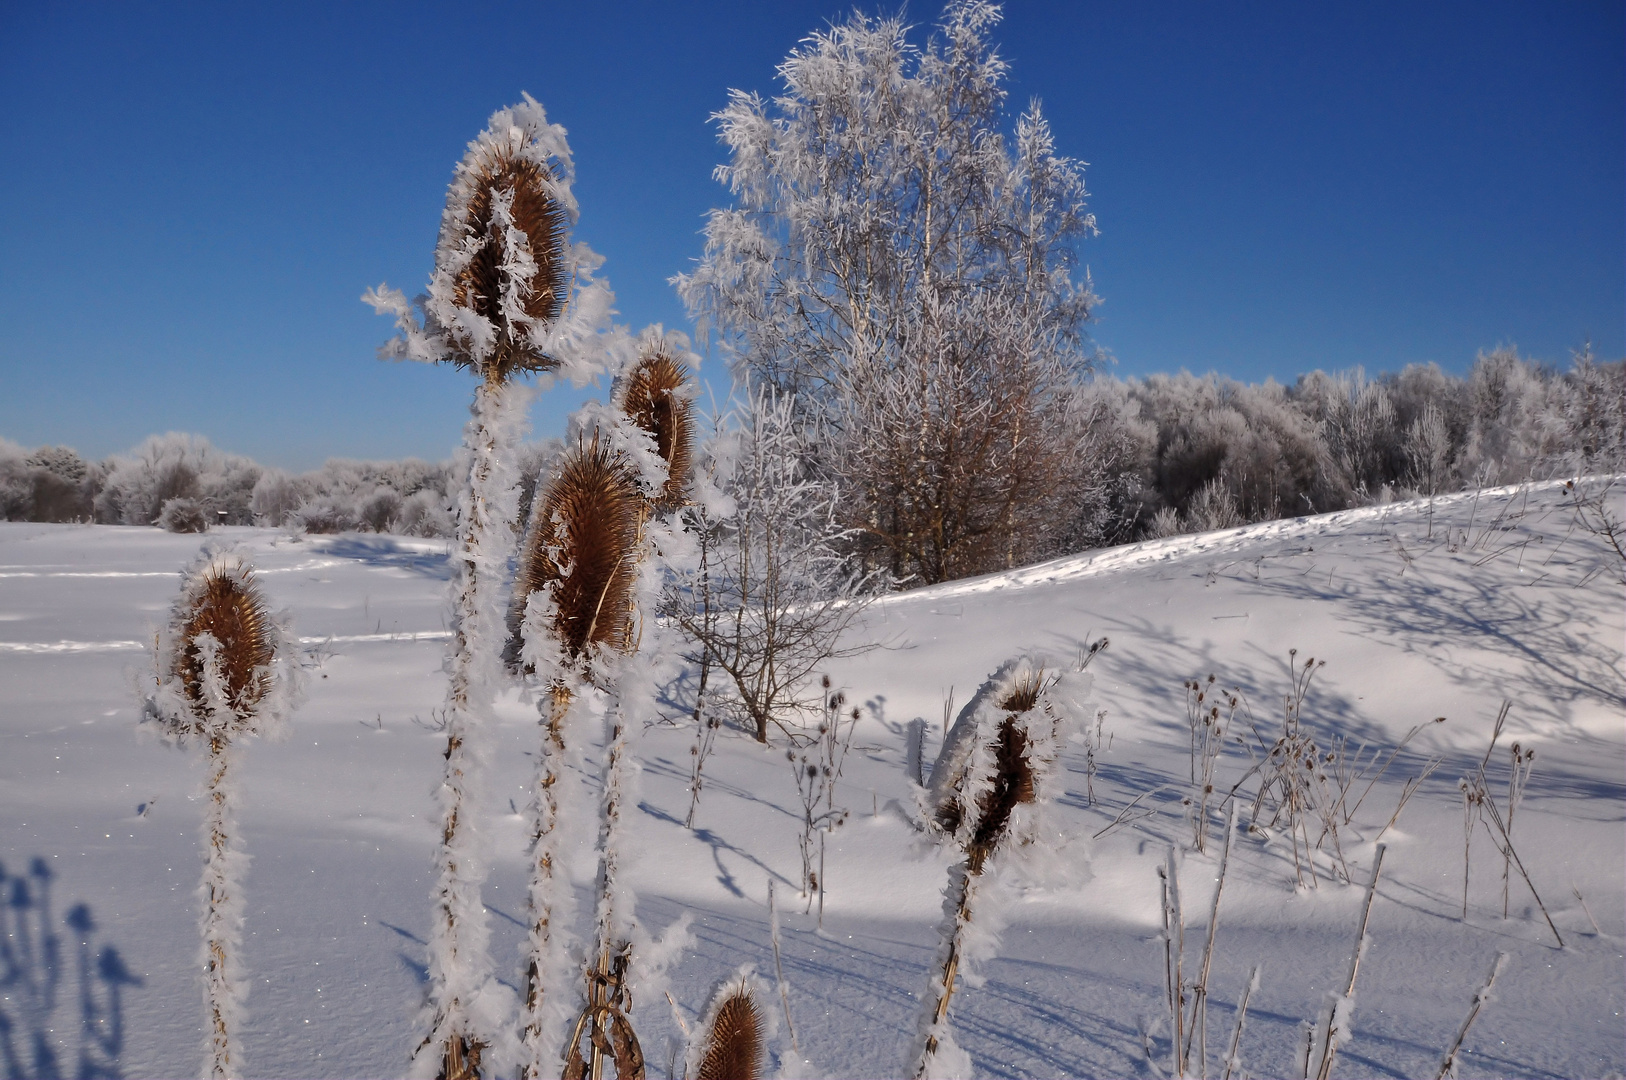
[(390, 552), (61, 995)]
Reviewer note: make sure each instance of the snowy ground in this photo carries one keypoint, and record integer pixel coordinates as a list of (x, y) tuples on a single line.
[(1502, 601)]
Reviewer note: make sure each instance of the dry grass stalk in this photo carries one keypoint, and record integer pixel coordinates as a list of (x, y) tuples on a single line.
[(734, 1044), (651, 398), (1198, 1027), (509, 190), (779, 967), (1233, 1059), (1448, 1064)]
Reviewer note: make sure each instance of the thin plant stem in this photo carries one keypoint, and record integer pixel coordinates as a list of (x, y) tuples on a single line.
[(1329, 1045), (1448, 1065)]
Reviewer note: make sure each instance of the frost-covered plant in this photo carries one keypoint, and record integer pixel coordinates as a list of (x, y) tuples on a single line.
[(1482, 997), (1210, 712), (176, 466), (1479, 806), (507, 297), (1598, 511), (592, 558), (816, 767), (1337, 1019), (777, 591), (223, 671), (731, 1039), (183, 515), (993, 774)]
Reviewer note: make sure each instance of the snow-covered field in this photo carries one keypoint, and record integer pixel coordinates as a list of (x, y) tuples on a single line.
[(1495, 598)]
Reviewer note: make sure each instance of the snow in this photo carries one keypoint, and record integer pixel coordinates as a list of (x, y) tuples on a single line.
[(1418, 612)]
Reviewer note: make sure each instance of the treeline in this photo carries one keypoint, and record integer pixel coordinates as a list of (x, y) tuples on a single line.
[(1208, 452), (1168, 454), (1200, 453), (183, 483)]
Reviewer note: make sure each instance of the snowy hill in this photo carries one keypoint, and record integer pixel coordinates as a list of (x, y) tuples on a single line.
[(1418, 612)]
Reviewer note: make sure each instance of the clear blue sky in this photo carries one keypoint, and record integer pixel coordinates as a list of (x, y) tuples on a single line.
[(192, 197)]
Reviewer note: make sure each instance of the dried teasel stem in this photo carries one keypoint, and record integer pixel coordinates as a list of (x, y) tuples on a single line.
[(547, 903), (779, 967), (1233, 1058), (573, 595), (459, 965), (1198, 1028)]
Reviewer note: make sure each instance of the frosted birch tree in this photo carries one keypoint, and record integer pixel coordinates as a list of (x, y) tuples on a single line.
[(911, 274)]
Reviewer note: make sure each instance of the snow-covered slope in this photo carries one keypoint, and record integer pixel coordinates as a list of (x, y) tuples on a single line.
[(1418, 613)]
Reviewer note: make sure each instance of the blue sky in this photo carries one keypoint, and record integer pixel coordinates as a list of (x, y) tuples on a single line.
[(193, 197)]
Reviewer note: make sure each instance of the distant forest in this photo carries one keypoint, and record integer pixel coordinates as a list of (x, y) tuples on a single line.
[(1169, 454)]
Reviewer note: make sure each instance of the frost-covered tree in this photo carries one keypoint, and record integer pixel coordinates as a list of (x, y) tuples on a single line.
[(177, 466), (907, 272), (776, 590), (508, 297)]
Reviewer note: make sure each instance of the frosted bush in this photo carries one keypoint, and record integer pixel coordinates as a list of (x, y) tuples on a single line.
[(183, 515)]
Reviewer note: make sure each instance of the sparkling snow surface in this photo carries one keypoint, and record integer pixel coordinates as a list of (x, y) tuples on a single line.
[(99, 847)]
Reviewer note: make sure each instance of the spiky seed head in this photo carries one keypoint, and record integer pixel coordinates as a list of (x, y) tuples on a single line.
[(653, 397), (1013, 779), (582, 545), (734, 1044), (228, 605), (499, 175), (219, 672), (1024, 692)]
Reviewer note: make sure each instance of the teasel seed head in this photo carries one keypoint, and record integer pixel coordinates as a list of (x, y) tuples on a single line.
[(734, 1044), (220, 669), (655, 397), (1013, 779), (582, 545), (517, 273)]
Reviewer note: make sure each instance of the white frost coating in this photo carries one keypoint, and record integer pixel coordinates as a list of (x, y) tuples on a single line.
[(554, 817), (581, 340), (948, 1061), (213, 724), (462, 989), (745, 978)]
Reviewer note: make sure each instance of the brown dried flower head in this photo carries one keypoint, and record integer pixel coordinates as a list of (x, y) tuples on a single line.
[(582, 545), (536, 220), (651, 397), (219, 669), (734, 1044)]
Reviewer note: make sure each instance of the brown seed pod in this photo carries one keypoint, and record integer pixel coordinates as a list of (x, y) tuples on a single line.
[(582, 544), (650, 397), (1012, 782), (734, 1045), (225, 602), (479, 286)]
